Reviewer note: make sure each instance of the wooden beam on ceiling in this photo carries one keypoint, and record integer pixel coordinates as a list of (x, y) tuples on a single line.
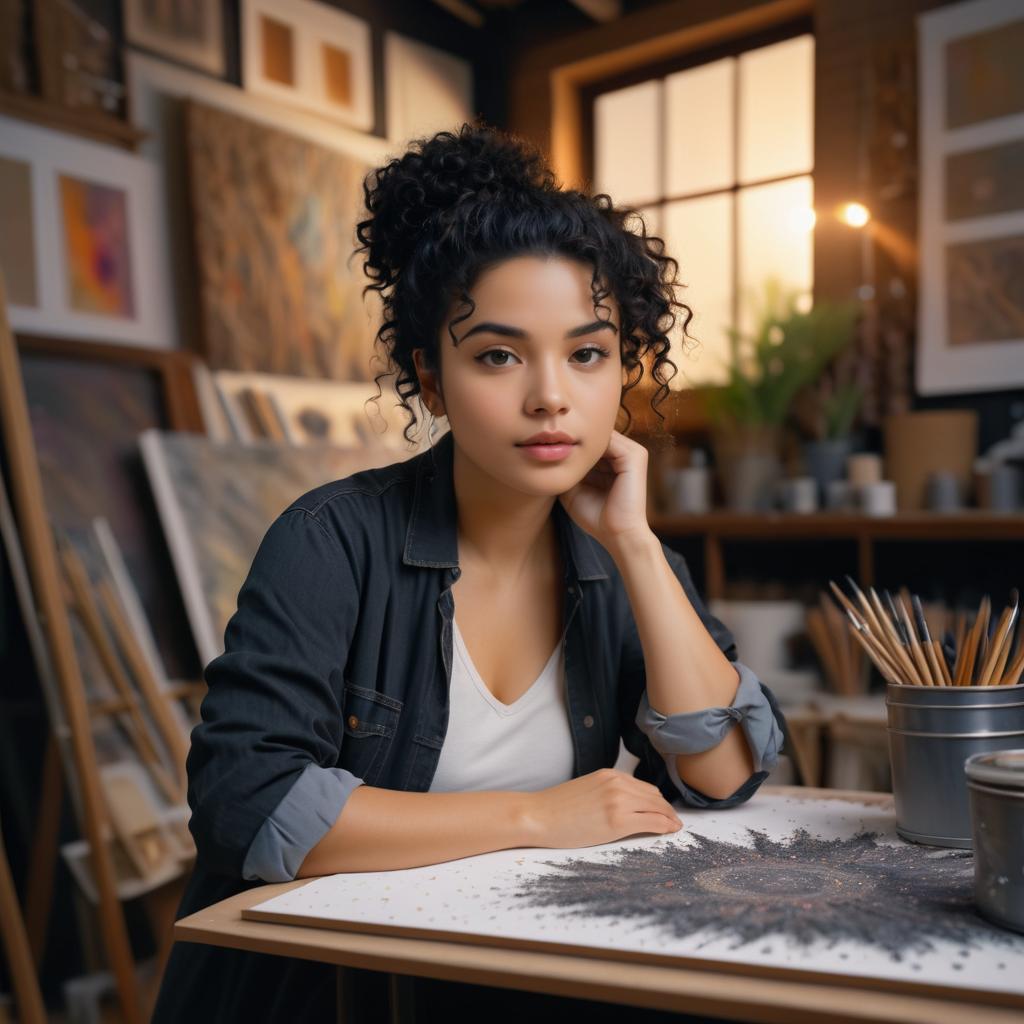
[(600, 10), (463, 11)]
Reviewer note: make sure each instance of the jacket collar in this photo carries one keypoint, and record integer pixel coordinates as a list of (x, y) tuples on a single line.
[(431, 539)]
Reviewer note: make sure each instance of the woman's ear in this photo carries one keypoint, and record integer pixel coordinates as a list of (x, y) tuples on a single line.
[(430, 384)]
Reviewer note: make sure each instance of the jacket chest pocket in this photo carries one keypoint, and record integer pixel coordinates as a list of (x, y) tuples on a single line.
[(370, 720)]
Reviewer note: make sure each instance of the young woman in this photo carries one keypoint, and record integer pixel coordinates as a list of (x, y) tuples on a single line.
[(438, 658)]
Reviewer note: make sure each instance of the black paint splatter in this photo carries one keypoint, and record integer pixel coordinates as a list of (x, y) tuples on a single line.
[(895, 898)]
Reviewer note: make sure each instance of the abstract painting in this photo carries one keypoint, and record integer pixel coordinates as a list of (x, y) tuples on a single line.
[(187, 30), (87, 412), (781, 883), (216, 502), (274, 221), (158, 91), (309, 55), (91, 258), (96, 246), (971, 309)]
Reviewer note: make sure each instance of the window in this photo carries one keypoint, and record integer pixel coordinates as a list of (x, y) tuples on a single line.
[(718, 156)]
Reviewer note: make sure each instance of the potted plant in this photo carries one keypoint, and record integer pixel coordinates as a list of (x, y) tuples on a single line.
[(825, 414), (767, 369)]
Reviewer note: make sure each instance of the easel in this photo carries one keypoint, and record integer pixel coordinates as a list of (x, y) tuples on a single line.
[(19, 957), (72, 721)]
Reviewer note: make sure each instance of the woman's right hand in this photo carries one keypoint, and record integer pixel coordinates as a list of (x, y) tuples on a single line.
[(598, 808)]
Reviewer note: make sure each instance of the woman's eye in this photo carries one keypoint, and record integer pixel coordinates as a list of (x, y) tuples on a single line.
[(494, 352), (503, 355), (597, 351)]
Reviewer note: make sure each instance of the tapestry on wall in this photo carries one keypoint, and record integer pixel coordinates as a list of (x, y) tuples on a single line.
[(274, 222)]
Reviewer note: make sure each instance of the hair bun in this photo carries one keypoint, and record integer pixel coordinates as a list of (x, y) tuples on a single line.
[(436, 178)]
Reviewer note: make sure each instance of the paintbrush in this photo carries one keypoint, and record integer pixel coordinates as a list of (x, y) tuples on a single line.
[(992, 669), (911, 640), (895, 643), (1016, 669), (926, 641), (875, 651)]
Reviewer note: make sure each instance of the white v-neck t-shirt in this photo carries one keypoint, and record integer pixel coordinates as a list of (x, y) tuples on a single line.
[(523, 746)]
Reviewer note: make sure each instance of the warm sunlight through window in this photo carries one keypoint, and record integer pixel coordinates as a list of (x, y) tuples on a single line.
[(719, 157)]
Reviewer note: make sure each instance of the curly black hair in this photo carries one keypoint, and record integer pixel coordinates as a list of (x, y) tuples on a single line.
[(459, 202)]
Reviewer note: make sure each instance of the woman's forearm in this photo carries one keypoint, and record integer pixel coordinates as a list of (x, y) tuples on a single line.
[(386, 829)]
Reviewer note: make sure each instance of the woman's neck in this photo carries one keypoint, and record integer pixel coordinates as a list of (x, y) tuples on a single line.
[(501, 531)]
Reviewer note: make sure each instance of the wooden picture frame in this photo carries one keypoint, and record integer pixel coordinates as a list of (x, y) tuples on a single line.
[(179, 38), (971, 304), (309, 55), (96, 239)]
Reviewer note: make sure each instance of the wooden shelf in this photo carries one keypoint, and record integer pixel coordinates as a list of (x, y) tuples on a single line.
[(90, 124), (971, 525), (717, 528)]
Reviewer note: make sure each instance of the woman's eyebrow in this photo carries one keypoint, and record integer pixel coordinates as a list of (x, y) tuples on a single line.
[(518, 332)]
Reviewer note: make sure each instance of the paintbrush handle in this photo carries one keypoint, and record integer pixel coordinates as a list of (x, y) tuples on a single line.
[(874, 653)]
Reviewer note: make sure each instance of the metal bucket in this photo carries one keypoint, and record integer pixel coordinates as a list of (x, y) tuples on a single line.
[(932, 732), (995, 783)]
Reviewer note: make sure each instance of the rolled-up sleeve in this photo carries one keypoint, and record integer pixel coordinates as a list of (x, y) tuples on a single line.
[(696, 731), (657, 739), (264, 785)]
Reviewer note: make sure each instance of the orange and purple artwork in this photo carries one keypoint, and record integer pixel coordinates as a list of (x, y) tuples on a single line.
[(96, 247)]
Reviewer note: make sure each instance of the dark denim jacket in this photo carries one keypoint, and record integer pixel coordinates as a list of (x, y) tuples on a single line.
[(336, 672)]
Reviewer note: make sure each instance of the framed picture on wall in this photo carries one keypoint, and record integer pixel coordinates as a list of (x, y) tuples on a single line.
[(190, 31), (971, 311), (84, 245), (309, 55), (427, 89)]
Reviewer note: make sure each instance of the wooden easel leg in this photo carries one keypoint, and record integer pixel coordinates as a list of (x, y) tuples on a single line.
[(12, 929), (346, 1000), (402, 999), (42, 868), (41, 558), (161, 906)]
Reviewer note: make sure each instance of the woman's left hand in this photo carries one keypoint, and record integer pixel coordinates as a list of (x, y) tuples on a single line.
[(610, 502)]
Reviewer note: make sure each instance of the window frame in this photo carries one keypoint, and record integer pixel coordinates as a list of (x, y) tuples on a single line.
[(661, 70)]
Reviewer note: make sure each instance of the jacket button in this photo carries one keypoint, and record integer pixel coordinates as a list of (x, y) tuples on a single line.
[(588, 721), (353, 722)]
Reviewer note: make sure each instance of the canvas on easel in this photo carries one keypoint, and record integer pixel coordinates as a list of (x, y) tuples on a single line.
[(44, 572)]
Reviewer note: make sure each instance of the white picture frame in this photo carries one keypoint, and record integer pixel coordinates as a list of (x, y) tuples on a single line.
[(142, 28), (945, 365), (285, 50), (426, 89), (55, 158)]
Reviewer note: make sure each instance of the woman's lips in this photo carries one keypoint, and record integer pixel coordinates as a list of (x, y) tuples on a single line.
[(547, 452)]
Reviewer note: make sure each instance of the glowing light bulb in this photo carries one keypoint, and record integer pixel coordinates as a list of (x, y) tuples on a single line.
[(856, 215)]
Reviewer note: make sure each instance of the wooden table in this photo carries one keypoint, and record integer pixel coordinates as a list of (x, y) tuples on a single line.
[(728, 991)]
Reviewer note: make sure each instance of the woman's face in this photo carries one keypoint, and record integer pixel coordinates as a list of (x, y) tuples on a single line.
[(534, 356)]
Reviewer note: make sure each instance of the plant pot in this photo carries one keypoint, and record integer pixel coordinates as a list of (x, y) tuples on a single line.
[(748, 466), (825, 460)]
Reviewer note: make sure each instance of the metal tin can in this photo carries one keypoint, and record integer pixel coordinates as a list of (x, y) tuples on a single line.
[(995, 782), (932, 731)]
